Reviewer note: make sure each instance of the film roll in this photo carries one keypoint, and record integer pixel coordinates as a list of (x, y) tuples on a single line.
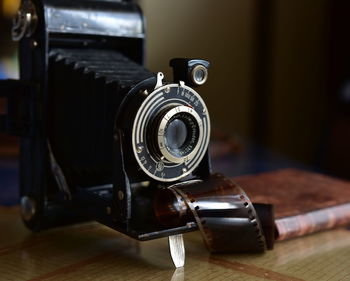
[(222, 211)]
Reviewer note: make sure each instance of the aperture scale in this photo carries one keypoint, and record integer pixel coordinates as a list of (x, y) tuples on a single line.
[(157, 113)]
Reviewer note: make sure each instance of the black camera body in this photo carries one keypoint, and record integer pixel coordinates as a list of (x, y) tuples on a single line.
[(99, 132), (103, 138)]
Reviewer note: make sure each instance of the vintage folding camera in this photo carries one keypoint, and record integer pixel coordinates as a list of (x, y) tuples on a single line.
[(103, 138)]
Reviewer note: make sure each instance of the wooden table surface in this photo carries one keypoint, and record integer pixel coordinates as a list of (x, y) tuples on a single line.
[(91, 251)]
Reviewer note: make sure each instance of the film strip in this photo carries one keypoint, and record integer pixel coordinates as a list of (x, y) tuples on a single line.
[(223, 213)]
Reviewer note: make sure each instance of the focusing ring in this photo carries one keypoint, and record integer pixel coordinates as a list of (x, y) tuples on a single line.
[(189, 152)]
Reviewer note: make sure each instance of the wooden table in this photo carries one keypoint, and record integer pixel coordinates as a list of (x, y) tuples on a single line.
[(91, 251)]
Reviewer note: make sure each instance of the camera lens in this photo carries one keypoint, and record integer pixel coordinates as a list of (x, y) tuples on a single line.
[(175, 134), (178, 134), (181, 135)]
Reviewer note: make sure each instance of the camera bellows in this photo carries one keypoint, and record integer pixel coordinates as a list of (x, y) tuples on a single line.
[(86, 88)]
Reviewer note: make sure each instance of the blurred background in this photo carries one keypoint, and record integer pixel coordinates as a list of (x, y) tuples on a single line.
[(280, 70), (279, 81)]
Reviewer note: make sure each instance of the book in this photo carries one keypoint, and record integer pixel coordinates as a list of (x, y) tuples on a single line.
[(304, 202)]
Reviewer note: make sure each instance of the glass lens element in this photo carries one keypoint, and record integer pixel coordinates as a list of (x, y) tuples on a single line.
[(181, 134), (199, 75), (176, 134)]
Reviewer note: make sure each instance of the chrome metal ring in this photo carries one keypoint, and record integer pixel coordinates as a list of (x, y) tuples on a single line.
[(199, 80), (162, 128)]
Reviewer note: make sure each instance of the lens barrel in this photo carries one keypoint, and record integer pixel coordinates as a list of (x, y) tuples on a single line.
[(178, 134)]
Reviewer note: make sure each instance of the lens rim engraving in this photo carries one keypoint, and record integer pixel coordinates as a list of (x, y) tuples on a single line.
[(164, 150), (144, 132)]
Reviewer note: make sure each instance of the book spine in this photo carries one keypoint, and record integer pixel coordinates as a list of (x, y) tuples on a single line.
[(314, 221)]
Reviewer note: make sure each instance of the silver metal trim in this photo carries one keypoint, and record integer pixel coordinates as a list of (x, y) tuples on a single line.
[(199, 67), (159, 83), (177, 250), (157, 99), (93, 21)]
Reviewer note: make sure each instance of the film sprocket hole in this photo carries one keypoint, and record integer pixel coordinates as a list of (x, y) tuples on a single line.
[(103, 138)]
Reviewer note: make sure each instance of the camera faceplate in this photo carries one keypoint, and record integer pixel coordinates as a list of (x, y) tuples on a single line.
[(151, 149)]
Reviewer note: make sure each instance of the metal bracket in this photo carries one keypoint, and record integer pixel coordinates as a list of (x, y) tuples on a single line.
[(177, 249), (159, 83), (25, 22), (121, 188)]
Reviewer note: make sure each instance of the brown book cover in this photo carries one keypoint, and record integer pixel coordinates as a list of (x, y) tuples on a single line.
[(304, 202)]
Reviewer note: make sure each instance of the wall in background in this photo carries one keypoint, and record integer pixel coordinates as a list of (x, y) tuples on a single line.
[(221, 32), (297, 81), (293, 95)]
